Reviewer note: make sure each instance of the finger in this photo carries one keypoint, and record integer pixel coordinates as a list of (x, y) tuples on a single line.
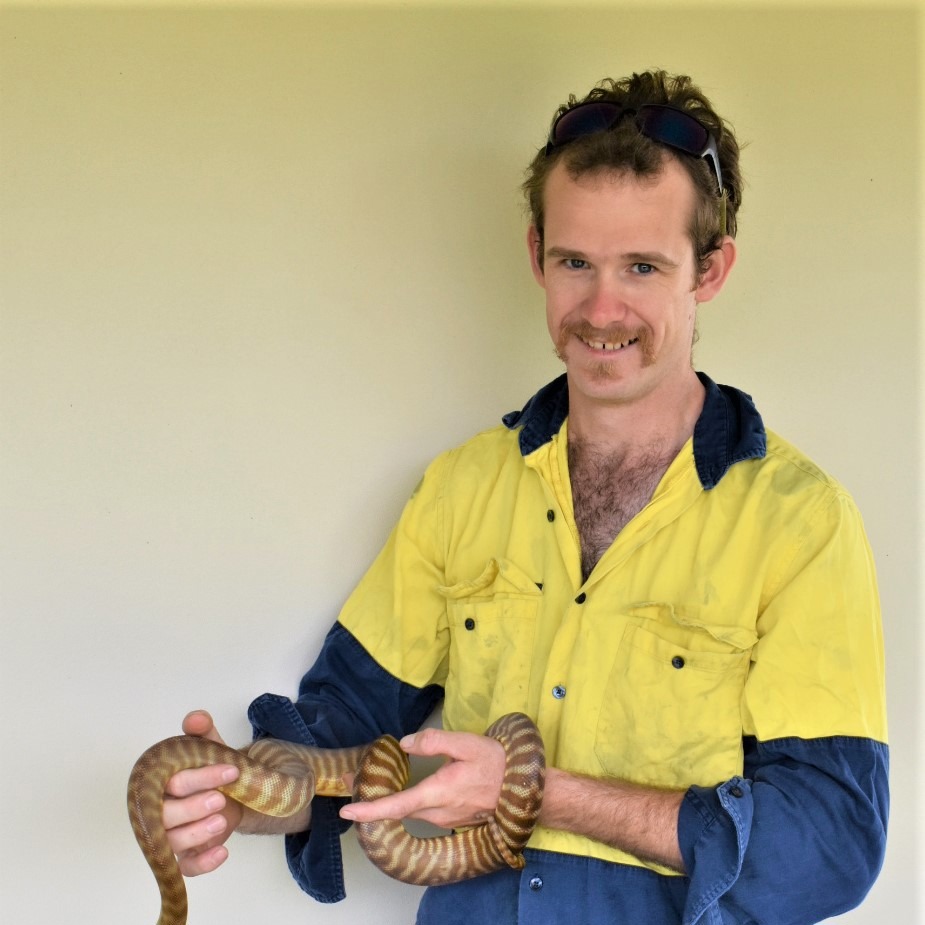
[(203, 862), (193, 780), (192, 808), (459, 745), (399, 807), (198, 836), (415, 802), (394, 806)]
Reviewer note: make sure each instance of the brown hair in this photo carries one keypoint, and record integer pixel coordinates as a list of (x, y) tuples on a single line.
[(625, 149)]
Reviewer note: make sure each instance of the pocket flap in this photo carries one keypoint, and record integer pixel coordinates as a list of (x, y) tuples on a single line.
[(692, 617), (499, 577)]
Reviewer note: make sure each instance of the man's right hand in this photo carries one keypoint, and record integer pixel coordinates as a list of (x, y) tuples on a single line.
[(198, 818)]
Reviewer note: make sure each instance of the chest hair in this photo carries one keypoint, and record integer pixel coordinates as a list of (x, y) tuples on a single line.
[(608, 491)]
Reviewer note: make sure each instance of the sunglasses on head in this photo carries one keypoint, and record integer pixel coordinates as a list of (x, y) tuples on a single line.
[(664, 124)]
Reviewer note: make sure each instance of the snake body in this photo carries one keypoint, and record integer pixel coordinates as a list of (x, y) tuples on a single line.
[(279, 778)]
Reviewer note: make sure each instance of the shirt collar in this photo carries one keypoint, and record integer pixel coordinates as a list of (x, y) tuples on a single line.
[(729, 429)]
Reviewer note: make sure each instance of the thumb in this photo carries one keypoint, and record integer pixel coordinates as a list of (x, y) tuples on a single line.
[(200, 723), (432, 742)]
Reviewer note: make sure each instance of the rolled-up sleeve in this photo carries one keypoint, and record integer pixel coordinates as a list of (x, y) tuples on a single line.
[(799, 839), (345, 699)]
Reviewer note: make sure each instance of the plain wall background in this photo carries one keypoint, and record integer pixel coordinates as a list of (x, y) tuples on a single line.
[(260, 264)]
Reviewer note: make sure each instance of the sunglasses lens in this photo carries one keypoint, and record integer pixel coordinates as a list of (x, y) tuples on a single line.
[(673, 127), (663, 124), (584, 120)]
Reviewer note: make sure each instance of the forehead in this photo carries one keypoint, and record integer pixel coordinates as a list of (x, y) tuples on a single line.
[(605, 204)]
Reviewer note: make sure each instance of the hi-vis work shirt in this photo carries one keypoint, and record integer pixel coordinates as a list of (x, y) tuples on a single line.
[(727, 644)]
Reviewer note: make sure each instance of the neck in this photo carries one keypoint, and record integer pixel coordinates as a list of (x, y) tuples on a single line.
[(662, 420)]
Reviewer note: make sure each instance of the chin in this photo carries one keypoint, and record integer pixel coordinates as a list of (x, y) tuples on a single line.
[(610, 389), (606, 383)]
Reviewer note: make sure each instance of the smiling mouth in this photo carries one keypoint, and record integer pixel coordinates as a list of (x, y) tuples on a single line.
[(608, 346)]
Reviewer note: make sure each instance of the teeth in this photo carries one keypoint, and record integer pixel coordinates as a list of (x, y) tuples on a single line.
[(602, 345)]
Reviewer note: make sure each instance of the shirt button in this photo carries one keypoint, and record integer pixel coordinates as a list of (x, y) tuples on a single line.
[(550, 515), (677, 662), (470, 623), (736, 792), (581, 598), (558, 692), (536, 883)]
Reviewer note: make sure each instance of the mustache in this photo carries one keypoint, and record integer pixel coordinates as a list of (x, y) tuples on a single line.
[(613, 334)]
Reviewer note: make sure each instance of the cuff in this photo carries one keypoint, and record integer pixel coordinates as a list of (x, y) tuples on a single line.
[(314, 857), (713, 830)]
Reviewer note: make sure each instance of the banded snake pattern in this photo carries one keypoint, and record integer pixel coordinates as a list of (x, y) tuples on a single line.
[(279, 778)]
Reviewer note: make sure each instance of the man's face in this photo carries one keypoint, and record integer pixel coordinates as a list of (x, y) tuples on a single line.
[(620, 279)]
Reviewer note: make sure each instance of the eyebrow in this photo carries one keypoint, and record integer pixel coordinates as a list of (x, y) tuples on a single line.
[(565, 254), (654, 257)]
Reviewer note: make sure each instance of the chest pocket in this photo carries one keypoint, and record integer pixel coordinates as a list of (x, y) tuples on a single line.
[(671, 708), (492, 621)]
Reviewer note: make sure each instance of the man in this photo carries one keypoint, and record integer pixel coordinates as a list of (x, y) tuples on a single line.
[(683, 602)]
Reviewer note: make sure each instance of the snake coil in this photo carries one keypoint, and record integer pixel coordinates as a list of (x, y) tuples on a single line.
[(279, 778)]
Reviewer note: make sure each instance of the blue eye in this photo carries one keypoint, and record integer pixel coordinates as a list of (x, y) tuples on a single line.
[(575, 263), (644, 269)]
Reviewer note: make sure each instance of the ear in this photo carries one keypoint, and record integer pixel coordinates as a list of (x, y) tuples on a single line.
[(719, 266), (535, 246)]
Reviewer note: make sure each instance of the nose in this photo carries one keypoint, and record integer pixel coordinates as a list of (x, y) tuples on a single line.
[(606, 302)]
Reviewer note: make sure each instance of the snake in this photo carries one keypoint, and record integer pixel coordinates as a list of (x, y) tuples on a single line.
[(279, 778)]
